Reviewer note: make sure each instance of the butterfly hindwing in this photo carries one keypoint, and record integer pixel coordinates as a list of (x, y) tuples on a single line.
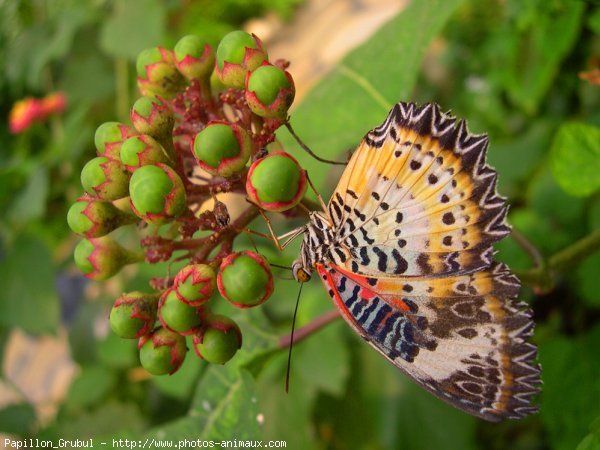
[(418, 195), (465, 341)]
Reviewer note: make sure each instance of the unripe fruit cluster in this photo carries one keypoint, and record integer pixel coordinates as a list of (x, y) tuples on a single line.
[(202, 126)]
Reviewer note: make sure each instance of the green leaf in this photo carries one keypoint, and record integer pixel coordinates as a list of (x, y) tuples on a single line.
[(259, 338), (527, 148), (224, 407), (287, 416), (561, 210), (181, 384), (90, 387), (539, 230), (28, 298), (82, 339), (225, 403), (30, 203), (594, 21), (575, 158), (146, 17), (111, 417), (586, 283), (527, 51), (86, 68), (324, 374), (17, 419), (116, 352), (593, 211), (60, 37), (592, 440), (359, 93), (569, 399)]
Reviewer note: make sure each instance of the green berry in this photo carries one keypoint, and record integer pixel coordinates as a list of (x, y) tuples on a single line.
[(218, 341), (222, 148), (153, 116), (133, 314), (175, 315), (94, 218), (270, 91), (276, 182), (101, 258), (245, 279), (162, 352), (237, 54), (157, 193), (104, 178), (108, 139), (232, 47), (194, 58), (146, 58), (194, 284), (157, 74), (142, 150)]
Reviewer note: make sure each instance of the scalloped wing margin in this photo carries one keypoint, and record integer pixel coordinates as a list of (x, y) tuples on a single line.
[(470, 349)]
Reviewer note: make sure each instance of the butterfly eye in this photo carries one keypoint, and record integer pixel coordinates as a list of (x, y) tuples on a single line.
[(300, 273), (303, 276)]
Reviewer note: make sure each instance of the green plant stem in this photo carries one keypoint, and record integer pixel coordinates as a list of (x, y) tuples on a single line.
[(529, 247), (122, 88), (577, 252), (544, 275), (134, 257), (206, 94)]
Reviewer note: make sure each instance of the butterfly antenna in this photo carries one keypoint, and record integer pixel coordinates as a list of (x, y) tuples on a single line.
[(289, 363), (249, 236), (288, 125)]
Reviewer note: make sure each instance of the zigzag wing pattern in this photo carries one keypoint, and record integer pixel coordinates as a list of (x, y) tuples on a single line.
[(463, 338), (418, 199)]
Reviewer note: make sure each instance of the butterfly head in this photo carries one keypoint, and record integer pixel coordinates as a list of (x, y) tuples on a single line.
[(300, 272)]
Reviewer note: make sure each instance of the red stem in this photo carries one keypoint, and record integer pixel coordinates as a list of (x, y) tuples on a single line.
[(310, 328), (228, 234)]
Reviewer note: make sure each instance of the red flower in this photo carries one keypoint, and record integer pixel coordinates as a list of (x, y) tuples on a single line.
[(26, 111)]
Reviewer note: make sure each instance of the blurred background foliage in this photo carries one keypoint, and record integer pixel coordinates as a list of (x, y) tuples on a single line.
[(511, 67)]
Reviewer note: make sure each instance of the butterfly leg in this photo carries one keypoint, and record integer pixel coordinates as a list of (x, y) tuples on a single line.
[(312, 186), (272, 236)]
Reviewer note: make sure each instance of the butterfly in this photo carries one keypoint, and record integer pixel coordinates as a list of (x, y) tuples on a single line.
[(404, 249)]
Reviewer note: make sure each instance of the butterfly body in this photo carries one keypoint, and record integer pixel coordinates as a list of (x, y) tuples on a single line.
[(405, 252)]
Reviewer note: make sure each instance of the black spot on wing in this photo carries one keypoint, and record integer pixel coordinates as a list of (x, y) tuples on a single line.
[(401, 263), (448, 218), (342, 285), (381, 259), (364, 256), (360, 215), (366, 237)]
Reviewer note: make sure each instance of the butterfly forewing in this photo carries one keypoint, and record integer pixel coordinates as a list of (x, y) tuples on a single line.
[(418, 199), (406, 254)]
